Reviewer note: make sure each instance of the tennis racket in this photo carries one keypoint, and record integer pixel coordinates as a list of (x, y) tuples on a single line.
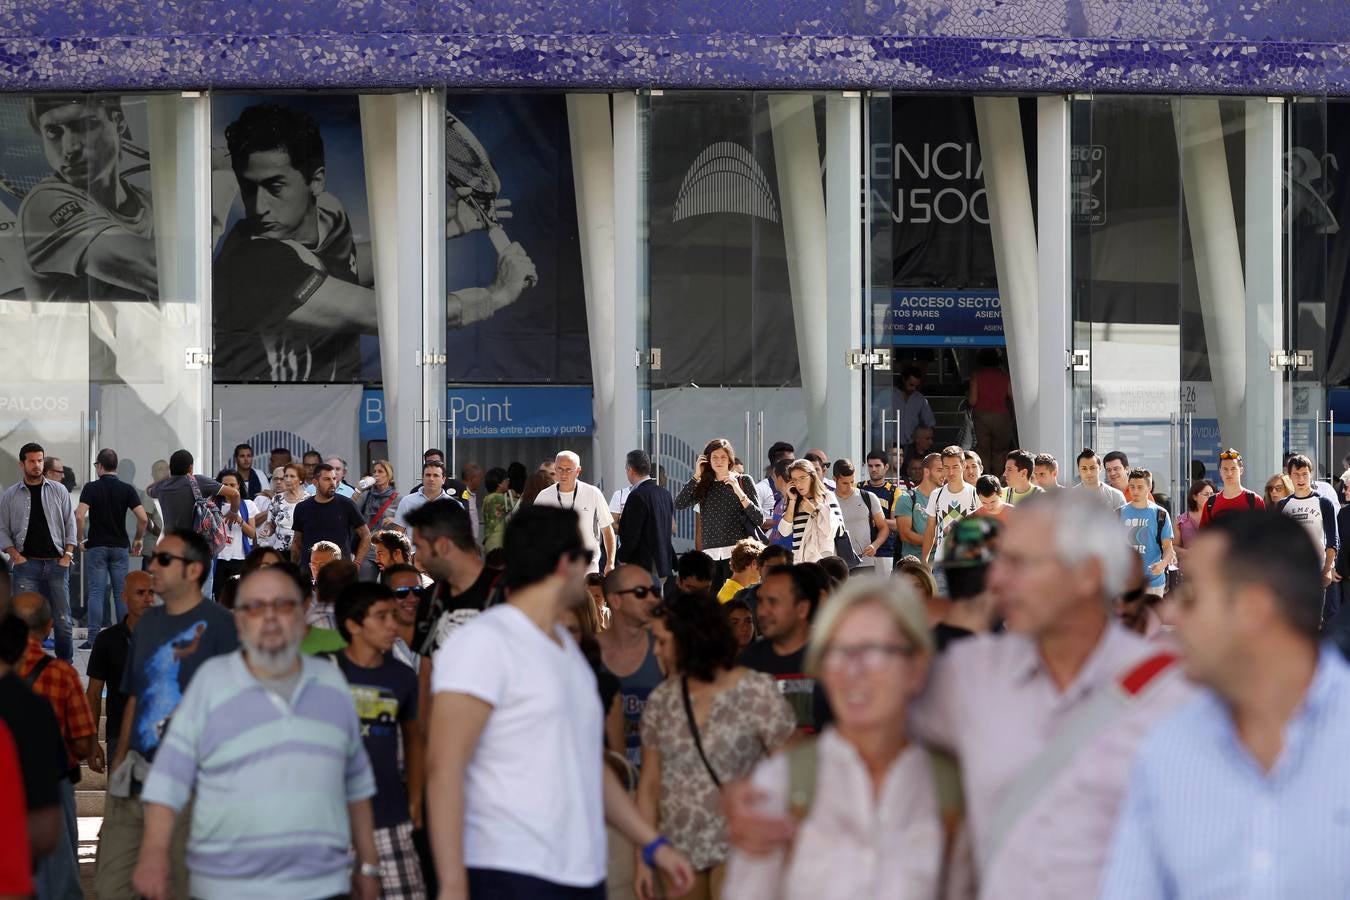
[(23, 162), (467, 166)]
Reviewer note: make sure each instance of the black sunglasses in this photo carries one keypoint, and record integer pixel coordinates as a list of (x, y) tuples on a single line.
[(165, 558), (1131, 596), (404, 591), (642, 591), (582, 554)]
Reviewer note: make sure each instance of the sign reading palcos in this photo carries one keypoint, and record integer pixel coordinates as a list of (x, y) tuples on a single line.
[(498, 412)]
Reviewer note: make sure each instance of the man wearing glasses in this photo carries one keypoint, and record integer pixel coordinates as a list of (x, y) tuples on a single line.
[(1234, 497), (627, 648), (169, 645)]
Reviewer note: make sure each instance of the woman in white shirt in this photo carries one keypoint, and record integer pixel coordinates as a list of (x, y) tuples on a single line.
[(239, 528), (869, 822), (275, 526)]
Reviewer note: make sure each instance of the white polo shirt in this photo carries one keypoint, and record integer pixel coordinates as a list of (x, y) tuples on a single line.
[(593, 515)]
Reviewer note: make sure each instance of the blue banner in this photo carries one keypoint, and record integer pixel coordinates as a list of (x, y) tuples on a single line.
[(498, 412), (919, 317)]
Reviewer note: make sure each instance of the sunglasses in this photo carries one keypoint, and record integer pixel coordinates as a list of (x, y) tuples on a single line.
[(402, 592), (583, 554), (255, 608), (164, 559), (642, 591), (1230, 454), (1131, 596)]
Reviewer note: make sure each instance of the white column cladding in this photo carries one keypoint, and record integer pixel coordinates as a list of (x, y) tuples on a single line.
[(1263, 438), (627, 255), (1218, 260), (796, 148), (1012, 224), (392, 139), (844, 299), (1053, 307), (592, 138)]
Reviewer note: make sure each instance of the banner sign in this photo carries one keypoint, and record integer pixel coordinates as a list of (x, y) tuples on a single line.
[(299, 417), (917, 317), (498, 412)]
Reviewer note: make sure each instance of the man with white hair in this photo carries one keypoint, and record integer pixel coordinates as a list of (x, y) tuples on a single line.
[(1059, 701), (587, 501)]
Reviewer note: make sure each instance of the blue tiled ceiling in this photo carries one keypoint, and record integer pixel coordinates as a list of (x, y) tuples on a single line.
[(1276, 47)]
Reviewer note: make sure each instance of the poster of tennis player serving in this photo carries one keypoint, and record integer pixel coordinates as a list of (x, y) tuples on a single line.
[(294, 286)]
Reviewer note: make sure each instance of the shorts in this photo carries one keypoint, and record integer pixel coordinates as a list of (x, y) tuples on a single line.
[(400, 869)]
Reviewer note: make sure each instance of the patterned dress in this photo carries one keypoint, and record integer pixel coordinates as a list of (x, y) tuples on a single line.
[(745, 723)]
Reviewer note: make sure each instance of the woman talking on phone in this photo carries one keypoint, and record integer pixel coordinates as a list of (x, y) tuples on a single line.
[(812, 516), (727, 505)]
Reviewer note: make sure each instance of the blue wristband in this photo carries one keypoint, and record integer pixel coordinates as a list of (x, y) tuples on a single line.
[(649, 851)]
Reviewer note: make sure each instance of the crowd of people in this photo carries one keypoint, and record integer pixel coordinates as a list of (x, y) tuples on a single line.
[(904, 677)]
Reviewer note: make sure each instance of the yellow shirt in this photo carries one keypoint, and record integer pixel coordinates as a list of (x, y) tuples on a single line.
[(729, 589)]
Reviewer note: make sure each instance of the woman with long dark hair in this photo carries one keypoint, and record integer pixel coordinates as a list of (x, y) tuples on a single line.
[(728, 506), (709, 722)]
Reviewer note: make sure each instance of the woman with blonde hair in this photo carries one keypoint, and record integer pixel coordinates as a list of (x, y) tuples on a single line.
[(812, 517), (377, 502), (1277, 488), (863, 793)]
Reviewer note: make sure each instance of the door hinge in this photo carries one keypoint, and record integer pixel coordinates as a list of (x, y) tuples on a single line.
[(651, 359), (879, 359), (430, 358), (196, 358), (1079, 361), (1295, 361)]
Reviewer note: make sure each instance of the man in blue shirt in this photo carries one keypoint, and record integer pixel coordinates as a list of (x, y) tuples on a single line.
[(1242, 792), (1150, 530)]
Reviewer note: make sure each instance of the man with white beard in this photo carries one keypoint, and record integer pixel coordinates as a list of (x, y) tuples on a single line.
[(253, 722)]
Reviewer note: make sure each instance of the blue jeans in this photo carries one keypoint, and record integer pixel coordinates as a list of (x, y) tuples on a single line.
[(51, 580), (102, 564), (57, 875)]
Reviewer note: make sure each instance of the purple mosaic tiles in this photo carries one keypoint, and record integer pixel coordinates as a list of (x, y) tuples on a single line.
[(1227, 46)]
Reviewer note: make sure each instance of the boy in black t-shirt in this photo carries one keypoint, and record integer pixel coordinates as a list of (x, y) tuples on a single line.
[(385, 693)]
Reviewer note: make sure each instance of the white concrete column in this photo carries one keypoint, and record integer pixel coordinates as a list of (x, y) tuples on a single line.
[(1218, 260), (844, 273), (796, 149), (1054, 303), (392, 141), (592, 138), (628, 255), (1012, 224), (1263, 436)]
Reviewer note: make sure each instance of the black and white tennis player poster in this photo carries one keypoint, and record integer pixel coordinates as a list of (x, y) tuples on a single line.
[(293, 292)]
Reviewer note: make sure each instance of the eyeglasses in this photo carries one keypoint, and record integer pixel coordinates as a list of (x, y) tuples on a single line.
[(642, 591), (255, 608), (164, 559), (868, 657), (1230, 453)]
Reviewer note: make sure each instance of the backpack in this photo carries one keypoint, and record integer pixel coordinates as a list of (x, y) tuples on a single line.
[(207, 519), (803, 760)]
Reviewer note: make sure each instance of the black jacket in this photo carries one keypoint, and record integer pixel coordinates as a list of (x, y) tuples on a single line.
[(644, 529)]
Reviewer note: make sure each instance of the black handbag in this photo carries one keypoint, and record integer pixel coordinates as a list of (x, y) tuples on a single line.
[(843, 548), (752, 528)]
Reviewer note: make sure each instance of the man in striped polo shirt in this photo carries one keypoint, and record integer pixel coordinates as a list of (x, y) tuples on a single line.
[(270, 743)]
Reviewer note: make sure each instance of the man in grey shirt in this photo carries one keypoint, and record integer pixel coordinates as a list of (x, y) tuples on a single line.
[(175, 493), (37, 533)]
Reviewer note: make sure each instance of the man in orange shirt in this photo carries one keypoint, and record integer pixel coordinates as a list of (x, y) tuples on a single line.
[(59, 684)]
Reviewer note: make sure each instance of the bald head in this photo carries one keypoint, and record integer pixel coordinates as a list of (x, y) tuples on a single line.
[(621, 593), (35, 612), (139, 594)]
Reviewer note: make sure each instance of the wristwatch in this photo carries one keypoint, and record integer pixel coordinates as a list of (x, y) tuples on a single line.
[(370, 870)]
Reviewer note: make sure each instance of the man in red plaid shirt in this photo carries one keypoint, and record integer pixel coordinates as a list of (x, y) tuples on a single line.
[(58, 873)]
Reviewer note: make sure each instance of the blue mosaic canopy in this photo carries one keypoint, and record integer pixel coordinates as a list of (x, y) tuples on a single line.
[(1250, 47)]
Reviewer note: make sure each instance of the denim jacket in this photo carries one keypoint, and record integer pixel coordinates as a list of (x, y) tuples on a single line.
[(15, 507)]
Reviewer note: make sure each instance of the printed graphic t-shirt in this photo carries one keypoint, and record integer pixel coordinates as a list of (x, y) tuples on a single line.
[(166, 652), (949, 507), (385, 698), (1142, 525)]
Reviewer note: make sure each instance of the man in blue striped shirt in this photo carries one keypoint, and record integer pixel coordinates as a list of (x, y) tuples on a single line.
[(270, 743), (1245, 792)]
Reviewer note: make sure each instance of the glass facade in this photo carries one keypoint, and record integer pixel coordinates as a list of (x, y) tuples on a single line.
[(374, 274)]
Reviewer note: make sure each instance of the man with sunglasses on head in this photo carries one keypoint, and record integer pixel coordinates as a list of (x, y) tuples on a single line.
[(1234, 497), (169, 645), (628, 649)]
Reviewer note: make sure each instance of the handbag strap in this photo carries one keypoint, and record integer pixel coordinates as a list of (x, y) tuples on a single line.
[(379, 513), (693, 729)]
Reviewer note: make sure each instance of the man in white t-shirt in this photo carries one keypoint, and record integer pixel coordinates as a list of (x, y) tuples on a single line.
[(1090, 479), (587, 502), (951, 502), (517, 786)]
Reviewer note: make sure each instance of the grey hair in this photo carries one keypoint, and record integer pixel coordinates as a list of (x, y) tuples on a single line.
[(568, 454), (328, 547), (1085, 529)]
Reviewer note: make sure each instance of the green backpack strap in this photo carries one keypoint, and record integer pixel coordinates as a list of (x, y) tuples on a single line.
[(803, 761), (803, 765)]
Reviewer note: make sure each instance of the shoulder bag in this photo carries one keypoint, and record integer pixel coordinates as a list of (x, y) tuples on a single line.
[(693, 730), (207, 519)]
